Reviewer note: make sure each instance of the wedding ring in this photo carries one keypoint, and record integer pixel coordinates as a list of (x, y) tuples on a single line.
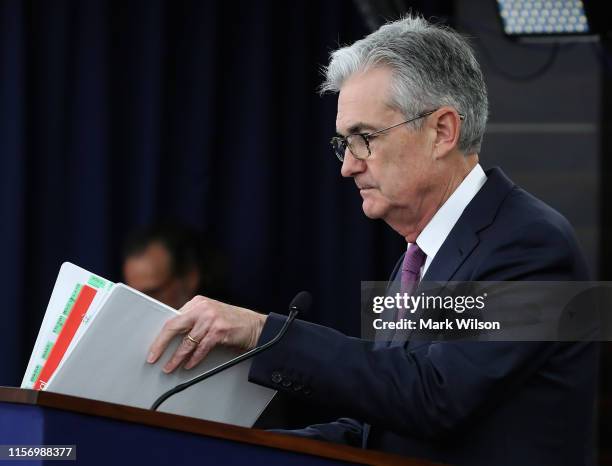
[(192, 340)]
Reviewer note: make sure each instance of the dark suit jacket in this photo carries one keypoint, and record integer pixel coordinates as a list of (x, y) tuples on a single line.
[(477, 403)]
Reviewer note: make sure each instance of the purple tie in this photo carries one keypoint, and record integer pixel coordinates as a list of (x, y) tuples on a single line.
[(409, 279), (411, 268), (411, 271)]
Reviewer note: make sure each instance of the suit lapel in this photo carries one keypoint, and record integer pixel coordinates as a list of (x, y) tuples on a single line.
[(463, 239), (454, 251)]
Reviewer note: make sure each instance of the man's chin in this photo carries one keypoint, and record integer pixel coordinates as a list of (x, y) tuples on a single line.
[(371, 210)]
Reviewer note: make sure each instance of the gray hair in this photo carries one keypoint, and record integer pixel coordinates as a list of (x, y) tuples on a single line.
[(432, 66)]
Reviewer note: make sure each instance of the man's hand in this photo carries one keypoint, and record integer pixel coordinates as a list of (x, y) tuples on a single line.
[(206, 323)]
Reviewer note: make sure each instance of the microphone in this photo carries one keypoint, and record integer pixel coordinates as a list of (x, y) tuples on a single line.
[(301, 302)]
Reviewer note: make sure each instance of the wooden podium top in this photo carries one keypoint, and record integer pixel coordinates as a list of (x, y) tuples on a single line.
[(201, 427)]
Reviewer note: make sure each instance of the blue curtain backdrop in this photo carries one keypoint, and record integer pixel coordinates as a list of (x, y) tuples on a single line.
[(120, 114)]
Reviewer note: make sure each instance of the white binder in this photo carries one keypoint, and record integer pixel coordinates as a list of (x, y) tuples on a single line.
[(108, 362)]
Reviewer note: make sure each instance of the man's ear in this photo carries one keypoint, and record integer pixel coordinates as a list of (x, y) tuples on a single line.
[(448, 126)]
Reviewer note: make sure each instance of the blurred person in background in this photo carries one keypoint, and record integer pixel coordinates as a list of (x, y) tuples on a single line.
[(170, 263)]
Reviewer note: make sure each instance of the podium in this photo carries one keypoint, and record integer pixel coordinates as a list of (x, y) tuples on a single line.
[(106, 433)]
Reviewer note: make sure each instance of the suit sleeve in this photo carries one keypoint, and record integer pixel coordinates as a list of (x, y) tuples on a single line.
[(427, 391), (344, 431)]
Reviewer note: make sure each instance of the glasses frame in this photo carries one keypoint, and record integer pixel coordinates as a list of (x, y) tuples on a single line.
[(341, 143)]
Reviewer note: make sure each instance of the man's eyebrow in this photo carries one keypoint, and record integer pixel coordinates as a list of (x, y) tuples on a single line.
[(357, 128)]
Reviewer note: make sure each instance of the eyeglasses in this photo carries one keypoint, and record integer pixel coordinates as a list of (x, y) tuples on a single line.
[(359, 143)]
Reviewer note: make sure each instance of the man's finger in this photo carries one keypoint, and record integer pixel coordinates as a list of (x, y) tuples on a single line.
[(182, 352), (194, 302), (200, 332), (201, 351), (188, 345), (174, 326), (190, 304)]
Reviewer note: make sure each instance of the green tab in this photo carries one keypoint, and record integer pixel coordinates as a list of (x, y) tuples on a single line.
[(59, 324), (72, 299), (36, 373), (96, 282), (47, 350)]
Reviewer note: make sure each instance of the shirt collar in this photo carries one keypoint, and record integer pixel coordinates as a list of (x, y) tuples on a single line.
[(439, 227)]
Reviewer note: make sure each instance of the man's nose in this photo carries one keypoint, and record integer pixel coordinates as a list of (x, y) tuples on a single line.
[(351, 166)]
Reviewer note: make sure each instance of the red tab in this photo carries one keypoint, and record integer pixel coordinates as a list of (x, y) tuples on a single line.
[(82, 303)]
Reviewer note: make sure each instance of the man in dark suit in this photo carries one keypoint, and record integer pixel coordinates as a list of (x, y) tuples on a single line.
[(412, 110)]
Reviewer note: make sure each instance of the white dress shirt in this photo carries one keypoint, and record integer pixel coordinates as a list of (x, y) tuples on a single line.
[(435, 232)]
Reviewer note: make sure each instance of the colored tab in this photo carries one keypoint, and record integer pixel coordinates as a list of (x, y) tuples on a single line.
[(36, 373), (71, 300), (59, 324), (47, 350), (96, 282), (68, 331)]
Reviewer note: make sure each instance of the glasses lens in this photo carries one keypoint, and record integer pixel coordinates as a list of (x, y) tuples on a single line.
[(358, 147), (356, 144), (339, 146)]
